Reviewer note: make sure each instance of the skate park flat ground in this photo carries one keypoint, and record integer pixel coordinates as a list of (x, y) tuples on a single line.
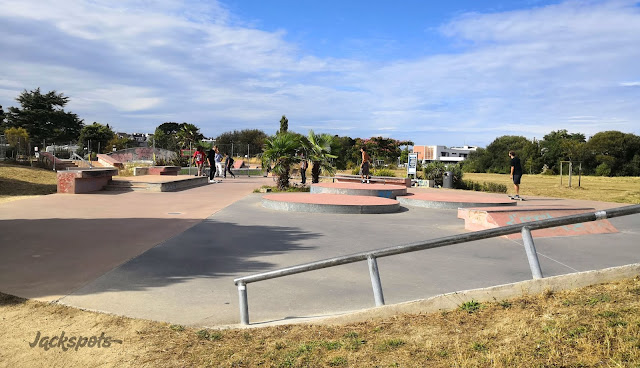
[(173, 256)]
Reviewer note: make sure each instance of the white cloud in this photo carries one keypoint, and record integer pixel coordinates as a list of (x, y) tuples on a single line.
[(137, 63)]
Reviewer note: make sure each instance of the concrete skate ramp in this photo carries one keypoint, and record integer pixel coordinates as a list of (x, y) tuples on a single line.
[(376, 190), (482, 218), (329, 203)]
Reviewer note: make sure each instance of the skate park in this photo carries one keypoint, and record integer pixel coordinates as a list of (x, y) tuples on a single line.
[(174, 256)]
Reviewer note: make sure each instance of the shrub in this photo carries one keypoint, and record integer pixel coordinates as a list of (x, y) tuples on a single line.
[(435, 171), (470, 307), (129, 167), (383, 172), (483, 187), (603, 170)]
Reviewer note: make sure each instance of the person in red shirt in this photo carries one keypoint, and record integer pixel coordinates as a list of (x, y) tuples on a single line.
[(198, 159)]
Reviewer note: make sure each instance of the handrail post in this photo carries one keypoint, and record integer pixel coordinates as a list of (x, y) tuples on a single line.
[(244, 303), (375, 280), (532, 255)]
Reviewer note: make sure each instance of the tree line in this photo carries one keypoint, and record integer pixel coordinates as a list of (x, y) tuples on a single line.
[(608, 153), (41, 118)]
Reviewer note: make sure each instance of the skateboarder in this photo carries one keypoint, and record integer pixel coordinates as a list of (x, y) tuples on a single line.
[(211, 160), (516, 173), (228, 165), (364, 166)]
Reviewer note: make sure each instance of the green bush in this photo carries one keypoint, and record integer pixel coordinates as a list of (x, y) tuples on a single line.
[(435, 171), (603, 170), (384, 172), (495, 187), (483, 187)]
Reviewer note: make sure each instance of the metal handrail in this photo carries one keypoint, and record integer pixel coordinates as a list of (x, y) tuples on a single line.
[(372, 255), (76, 156)]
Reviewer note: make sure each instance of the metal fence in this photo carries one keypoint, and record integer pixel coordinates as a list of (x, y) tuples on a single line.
[(192, 170), (3, 148), (371, 256)]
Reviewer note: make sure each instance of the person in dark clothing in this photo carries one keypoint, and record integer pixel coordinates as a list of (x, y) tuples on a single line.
[(303, 168), (211, 157), (516, 172), (364, 166), (228, 165)]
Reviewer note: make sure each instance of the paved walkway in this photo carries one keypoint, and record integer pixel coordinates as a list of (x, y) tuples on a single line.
[(55, 244), (173, 256)]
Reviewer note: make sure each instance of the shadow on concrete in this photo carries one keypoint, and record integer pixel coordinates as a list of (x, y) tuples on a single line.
[(59, 256), (210, 249), (9, 300)]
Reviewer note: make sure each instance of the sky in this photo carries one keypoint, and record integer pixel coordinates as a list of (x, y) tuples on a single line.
[(436, 73)]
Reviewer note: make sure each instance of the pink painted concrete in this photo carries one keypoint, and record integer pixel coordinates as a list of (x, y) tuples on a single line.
[(482, 218), (55, 244), (388, 180), (106, 160), (84, 181), (163, 170)]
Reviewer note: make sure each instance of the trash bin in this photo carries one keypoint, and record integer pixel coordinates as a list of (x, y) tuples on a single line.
[(447, 179)]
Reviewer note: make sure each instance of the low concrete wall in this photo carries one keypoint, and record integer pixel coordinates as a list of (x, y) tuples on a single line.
[(453, 300), (376, 179), (157, 170), (106, 160), (84, 181)]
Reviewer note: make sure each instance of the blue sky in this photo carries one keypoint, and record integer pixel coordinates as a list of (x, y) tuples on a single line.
[(448, 73)]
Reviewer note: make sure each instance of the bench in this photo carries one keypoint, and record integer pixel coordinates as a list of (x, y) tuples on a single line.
[(84, 181), (374, 179), (157, 170)]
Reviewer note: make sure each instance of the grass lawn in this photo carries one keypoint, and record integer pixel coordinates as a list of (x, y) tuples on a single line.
[(17, 182), (596, 326), (597, 188)]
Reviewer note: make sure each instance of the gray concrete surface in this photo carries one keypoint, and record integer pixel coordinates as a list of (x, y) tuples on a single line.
[(188, 279)]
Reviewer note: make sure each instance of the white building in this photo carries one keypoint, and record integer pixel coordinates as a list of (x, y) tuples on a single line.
[(445, 154)]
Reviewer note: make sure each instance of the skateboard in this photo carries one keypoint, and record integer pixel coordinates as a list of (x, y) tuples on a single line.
[(517, 199)]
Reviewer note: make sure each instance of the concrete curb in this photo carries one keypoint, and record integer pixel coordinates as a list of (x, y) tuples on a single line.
[(453, 300), (330, 208), (389, 191), (495, 293), (405, 201)]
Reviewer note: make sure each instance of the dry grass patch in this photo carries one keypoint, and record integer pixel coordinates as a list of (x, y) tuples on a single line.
[(18, 182), (593, 326), (596, 188)]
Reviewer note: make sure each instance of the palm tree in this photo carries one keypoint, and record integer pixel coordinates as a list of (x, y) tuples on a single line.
[(189, 134), (318, 147), (281, 151)]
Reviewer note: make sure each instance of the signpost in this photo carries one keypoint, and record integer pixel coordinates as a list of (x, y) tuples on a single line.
[(412, 164)]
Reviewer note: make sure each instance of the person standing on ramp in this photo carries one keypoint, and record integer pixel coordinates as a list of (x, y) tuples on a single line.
[(364, 166), (516, 173)]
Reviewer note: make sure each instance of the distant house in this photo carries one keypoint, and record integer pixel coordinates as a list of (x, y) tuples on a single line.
[(141, 139), (445, 154)]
